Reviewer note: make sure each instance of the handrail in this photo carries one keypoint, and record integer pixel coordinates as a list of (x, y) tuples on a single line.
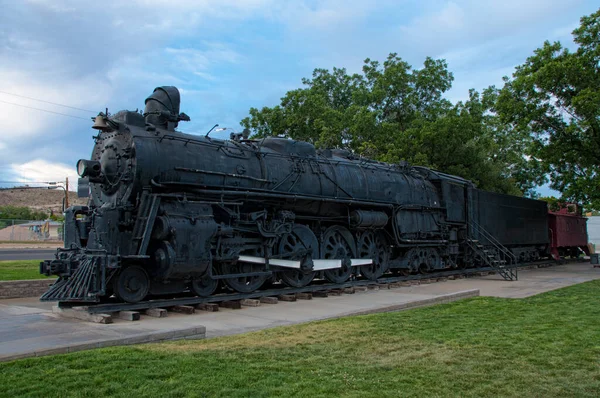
[(494, 242), (508, 272)]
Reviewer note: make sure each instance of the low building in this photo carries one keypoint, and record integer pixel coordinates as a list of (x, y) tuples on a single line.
[(18, 230), (593, 226)]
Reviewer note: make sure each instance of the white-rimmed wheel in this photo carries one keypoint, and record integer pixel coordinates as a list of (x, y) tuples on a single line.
[(304, 242), (338, 243), (250, 283), (373, 245)]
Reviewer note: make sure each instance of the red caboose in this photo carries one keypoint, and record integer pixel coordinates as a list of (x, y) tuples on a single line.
[(568, 232)]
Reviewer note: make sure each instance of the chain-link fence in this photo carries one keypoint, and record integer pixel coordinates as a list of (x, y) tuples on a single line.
[(31, 231)]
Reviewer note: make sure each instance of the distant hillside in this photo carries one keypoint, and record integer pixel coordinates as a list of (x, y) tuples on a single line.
[(42, 199)]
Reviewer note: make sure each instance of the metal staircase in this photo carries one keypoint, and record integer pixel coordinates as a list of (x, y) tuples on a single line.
[(493, 253), (144, 222)]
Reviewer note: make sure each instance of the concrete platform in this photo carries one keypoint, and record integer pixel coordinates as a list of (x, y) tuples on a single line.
[(29, 328)]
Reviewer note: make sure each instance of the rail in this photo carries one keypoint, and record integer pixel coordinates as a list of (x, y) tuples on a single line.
[(166, 303)]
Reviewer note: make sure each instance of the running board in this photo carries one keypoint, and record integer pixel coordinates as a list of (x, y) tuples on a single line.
[(360, 261), (318, 265), (273, 261)]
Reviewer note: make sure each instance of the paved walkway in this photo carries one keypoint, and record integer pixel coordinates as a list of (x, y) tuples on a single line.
[(531, 282), (27, 254), (28, 327)]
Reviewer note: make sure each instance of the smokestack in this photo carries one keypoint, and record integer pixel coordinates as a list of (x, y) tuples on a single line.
[(162, 108)]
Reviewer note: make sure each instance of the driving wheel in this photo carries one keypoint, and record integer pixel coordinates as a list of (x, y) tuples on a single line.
[(338, 244), (204, 286), (131, 284), (300, 239), (373, 245)]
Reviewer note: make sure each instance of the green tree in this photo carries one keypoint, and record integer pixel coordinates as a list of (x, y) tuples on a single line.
[(358, 111), (554, 204), (555, 97), (21, 213)]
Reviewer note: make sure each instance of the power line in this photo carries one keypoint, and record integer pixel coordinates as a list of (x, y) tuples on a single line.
[(31, 182), (44, 110), (47, 102)]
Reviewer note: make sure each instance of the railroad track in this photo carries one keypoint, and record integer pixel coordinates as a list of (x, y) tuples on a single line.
[(320, 286)]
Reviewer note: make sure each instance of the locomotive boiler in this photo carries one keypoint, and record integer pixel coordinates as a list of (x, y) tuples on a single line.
[(171, 212)]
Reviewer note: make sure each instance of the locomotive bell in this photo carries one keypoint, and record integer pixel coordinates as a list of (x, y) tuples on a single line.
[(100, 123)]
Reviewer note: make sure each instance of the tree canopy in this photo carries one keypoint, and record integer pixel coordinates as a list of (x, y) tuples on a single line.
[(544, 123), (555, 98)]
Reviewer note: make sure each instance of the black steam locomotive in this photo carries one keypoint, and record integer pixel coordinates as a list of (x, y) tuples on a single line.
[(171, 212)]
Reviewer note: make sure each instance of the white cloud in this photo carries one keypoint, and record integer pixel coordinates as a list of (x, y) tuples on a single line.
[(462, 23), (329, 15), (482, 41), (54, 5), (112, 53), (40, 170), (19, 123), (200, 61)]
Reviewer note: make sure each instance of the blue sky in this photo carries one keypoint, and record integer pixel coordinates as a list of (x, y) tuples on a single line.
[(227, 56)]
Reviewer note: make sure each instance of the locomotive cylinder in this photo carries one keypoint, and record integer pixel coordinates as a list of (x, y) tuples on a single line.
[(368, 219)]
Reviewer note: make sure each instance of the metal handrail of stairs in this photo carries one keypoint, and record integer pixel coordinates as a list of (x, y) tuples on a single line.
[(508, 267)]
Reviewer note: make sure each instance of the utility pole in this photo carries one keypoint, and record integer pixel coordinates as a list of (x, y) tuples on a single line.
[(64, 187), (67, 194)]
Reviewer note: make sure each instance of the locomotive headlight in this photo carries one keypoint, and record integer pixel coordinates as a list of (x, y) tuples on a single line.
[(81, 168), (88, 168)]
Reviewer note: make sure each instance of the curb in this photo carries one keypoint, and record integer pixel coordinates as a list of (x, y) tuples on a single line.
[(198, 332), (441, 299)]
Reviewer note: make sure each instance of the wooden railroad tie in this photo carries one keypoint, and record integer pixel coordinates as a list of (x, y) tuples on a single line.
[(183, 309), (129, 315), (287, 297), (383, 286), (232, 304), (335, 292), (210, 307), (320, 293), (304, 296), (156, 312), (360, 288), (250, 302), (349, 290), (269, 300)]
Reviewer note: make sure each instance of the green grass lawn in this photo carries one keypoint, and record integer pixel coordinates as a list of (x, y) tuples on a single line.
[(543, 346), (20, 269)]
